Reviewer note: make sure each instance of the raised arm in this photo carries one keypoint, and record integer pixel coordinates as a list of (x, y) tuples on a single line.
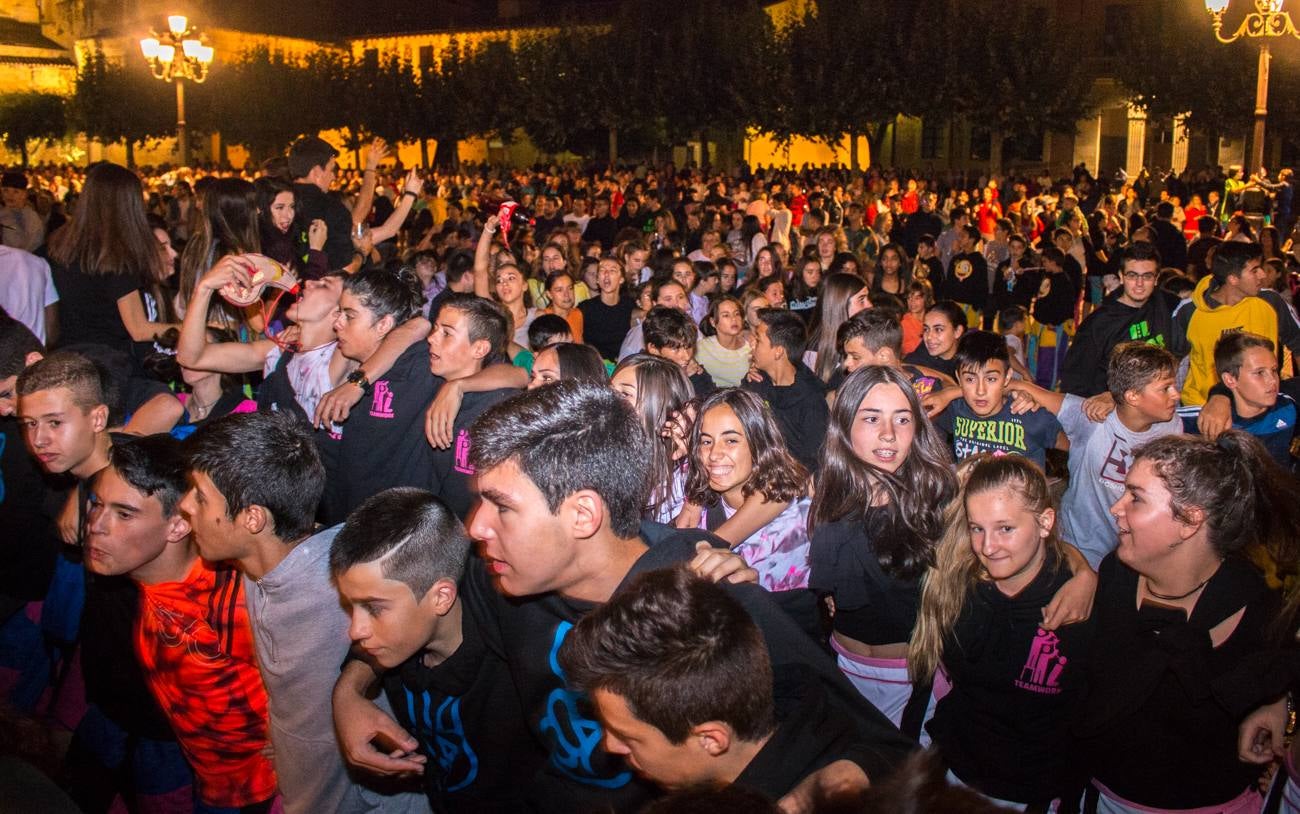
[(483, 258), (377, 152), (410, 192), (193, 350)]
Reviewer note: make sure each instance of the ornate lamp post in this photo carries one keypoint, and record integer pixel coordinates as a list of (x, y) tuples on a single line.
[(174, 56), (1267, 21)]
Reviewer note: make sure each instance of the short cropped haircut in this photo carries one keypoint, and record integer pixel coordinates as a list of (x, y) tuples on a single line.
[(384, 294), (1012, 314), (951, 310), (487, 321), (976, 349), (876, 330), (66, 369), (543, 330), (154, 465), (669, 328), (414, 537), (1134, 365), (785, 330), (1139, 251), (263, 459), (570, 436), (680, 652), (307, 153), (1231, 257), (1232, 346), (16, 342)]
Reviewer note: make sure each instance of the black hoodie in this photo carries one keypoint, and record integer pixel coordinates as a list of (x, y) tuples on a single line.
[(579, 776), (1084, 371), (800, 410), (1003, 728)]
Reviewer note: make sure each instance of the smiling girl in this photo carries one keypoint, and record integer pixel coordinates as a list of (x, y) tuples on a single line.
[(1003, 728), (738, 456)]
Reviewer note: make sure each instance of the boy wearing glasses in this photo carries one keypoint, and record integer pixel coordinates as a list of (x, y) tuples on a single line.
[(1137, 311)]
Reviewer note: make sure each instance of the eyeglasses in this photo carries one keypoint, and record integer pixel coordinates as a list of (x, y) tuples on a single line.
[(1134, 277)]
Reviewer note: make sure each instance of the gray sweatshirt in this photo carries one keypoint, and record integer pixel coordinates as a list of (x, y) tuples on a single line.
[(301, 635)]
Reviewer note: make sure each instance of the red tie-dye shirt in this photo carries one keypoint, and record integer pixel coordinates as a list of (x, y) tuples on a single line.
[(196, 649)]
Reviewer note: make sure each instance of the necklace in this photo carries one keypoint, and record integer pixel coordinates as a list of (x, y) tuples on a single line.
[(198, 411), (1165, 598)]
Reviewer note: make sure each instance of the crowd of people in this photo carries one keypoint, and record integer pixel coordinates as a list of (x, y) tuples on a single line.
[(646, 489)]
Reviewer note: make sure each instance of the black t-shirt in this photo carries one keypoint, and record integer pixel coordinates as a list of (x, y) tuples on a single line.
[(453, 474), (383, 438), (968, 280), (314, 204), (871, 606), (580, 776), (1057, 296), (604, 327), (28, 544), (1004, 726), (1158, 725), (602, 231), (465, 714), (88, 307), (800, 411), (922, 358)]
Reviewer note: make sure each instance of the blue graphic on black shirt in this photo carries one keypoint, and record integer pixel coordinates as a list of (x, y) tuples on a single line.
[(572, 736), (449, 746)]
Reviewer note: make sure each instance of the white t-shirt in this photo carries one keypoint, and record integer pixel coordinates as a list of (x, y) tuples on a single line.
[(26, 287), (309, 375)]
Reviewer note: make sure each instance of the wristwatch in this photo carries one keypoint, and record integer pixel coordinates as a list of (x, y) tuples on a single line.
[(360, 379)]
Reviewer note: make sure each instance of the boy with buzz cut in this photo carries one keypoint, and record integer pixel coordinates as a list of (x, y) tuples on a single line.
[(795, 394), (680, 677), (979, 416), (1141, 381), (192, 636), (397, 563), (671, 334), (1247, 368), (875, 337)]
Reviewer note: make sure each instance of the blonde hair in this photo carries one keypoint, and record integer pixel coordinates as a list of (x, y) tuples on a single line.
[(957, 569)]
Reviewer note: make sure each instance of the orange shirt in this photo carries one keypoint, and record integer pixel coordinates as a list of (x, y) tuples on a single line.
[(911, 333), (574, 318), (196, 649)]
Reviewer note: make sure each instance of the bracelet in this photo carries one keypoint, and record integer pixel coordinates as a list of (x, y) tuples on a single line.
[(370, 169), (409, 192)]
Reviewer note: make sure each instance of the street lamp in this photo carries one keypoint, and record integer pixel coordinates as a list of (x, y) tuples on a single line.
[(174, 56), (1268, 20)]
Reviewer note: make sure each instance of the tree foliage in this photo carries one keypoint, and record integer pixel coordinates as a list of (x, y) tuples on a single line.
[(31, 116), (114, 102)]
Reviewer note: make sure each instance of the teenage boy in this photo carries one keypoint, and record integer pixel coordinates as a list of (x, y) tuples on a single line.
[(606, 318), (687, 698), (875, 337), (1053, 311), (563, 483), (671, 334), (192, 635), (1141, 381), (255, 480), (1230, 298), (123, 744), (397, 563), (941, 329), (312, 164), (667, 292), (795, 394), (1142, 312), (979, 418), (1247, 367), (967, 281)]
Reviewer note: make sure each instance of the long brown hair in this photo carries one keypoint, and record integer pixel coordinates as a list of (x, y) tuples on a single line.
[(957, 569), (109, 231), (914, 496), (832, 311), (230, 226), (776, 475)]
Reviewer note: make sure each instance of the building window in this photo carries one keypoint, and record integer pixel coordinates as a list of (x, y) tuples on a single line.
[(371, 56), (1117, 22), (1023, 147), (981, 144), (426, 56), (932, 139)]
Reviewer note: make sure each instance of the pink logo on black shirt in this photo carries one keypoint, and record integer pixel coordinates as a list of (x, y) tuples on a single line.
[(1042, 671), (462, 463), (382, 404)]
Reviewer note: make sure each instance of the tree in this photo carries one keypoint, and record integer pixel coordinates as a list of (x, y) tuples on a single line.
[(257, 101), (26, 117), (116, 102)]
